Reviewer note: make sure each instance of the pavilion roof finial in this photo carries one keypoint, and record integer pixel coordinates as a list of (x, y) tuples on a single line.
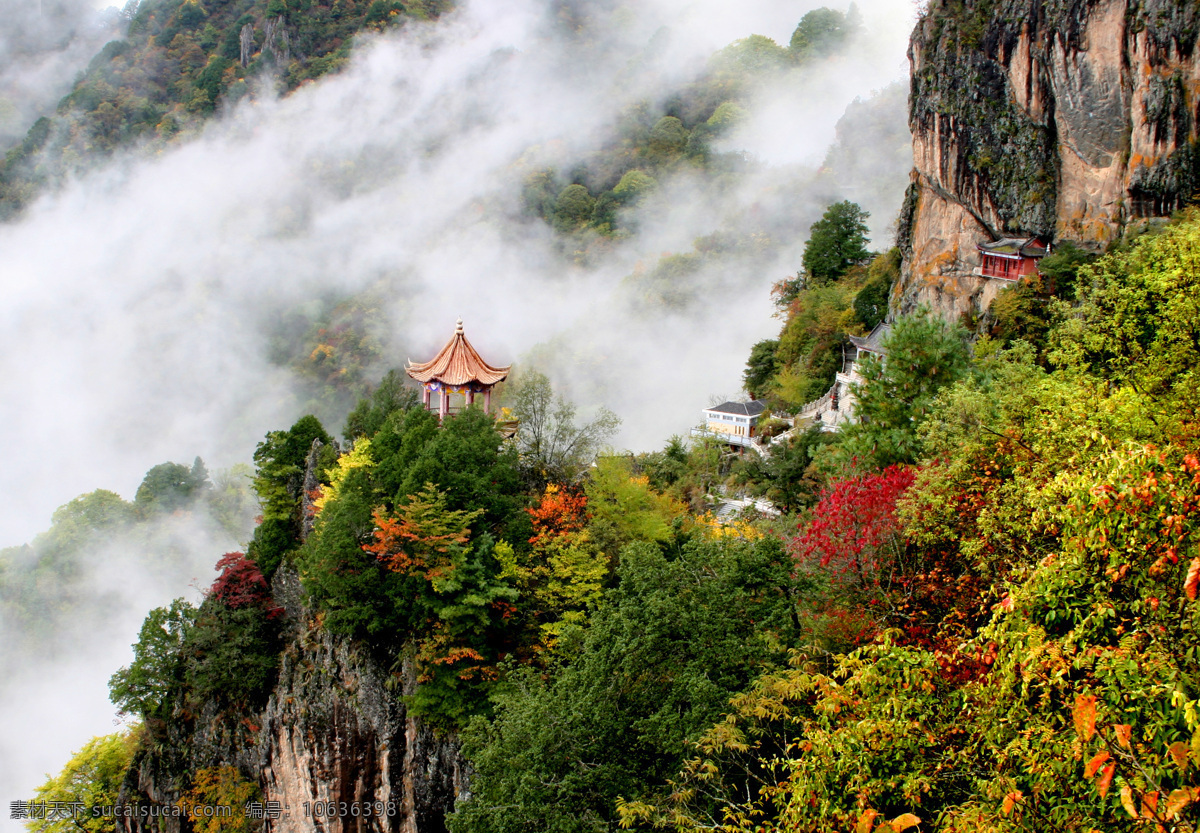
[(458, 326)]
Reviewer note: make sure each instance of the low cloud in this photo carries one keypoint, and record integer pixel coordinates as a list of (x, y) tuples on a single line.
[(139, 299)]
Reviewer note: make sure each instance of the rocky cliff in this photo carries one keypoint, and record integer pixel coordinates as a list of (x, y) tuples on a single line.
[(333, 730), (1068, 119), (333, 745)]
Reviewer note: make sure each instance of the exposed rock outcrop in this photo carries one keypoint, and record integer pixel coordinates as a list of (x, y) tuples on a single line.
[(334, 730), (1066, 119)]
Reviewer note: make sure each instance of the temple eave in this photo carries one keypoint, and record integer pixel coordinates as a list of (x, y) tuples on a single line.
[(457, 364)]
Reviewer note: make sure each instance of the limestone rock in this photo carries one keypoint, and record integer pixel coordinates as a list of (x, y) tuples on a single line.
[(334, 730), (1069, 120)]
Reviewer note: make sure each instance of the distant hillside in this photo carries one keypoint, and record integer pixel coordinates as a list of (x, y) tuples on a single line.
[(655, 140), (178, 63)]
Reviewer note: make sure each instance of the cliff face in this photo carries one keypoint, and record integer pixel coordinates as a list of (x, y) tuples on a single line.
[(1062, 118), (333, 730)]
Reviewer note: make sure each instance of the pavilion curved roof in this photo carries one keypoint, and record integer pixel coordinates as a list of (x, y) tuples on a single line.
[(1015, 246), (456, 364)]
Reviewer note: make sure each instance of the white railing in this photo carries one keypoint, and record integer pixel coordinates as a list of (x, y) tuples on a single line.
[(731, 439), (818, 406)]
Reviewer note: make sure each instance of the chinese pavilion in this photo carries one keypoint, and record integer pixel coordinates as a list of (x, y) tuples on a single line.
[(1011, 258), (456, 369)]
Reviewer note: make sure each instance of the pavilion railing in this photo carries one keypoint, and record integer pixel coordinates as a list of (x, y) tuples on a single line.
[(730, 439)]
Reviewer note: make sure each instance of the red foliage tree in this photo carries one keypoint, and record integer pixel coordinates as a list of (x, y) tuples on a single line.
[(241, 583), (855, 540), (422, 536), (854, 528)]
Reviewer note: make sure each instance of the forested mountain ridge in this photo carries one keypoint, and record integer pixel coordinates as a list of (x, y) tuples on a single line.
[(180, 62), (177, 63), (979, 613)]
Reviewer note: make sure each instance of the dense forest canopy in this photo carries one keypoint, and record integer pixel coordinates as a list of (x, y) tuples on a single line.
[(980, 612)]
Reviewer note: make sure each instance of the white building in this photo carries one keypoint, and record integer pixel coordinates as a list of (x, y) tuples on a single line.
[(735, 423)]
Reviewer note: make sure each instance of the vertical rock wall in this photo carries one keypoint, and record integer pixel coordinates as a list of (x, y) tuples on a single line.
[(334, 734), (1062, 118)]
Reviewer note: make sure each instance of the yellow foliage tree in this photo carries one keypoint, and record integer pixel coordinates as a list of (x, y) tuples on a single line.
[(358, 457), (90, 780), (217, 801)]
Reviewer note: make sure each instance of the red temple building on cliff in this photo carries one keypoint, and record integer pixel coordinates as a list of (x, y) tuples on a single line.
[(1012, 258), (457, 369)]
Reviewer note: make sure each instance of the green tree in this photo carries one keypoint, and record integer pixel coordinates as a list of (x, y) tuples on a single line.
[(372, 411), (836, 242), (280, 460), (667, 140), (462, 597), (573, 208), (810, 346), (1028, 311), (744, 59), (668, 648), (761, 367), (472, 471), (469, 460), (279, 477), (665, 468), (625, 509), (359, 596), (232, 502), (787, 476), (634, 186), (398, 444), (553, 448), (171, 486), (924, 355), (147, 685), (871, 302), (75, 522), (1061, 268), (1138, 320), (823, 32), (727, 114), (231, 655)]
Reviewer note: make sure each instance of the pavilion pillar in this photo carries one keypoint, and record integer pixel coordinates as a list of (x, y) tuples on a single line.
[(456, 367)]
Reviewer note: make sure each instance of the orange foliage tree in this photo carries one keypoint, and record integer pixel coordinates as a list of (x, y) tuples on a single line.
[(421, 539), (465, 600)]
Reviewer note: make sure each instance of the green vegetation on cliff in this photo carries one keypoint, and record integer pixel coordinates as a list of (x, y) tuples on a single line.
[(838, 293)]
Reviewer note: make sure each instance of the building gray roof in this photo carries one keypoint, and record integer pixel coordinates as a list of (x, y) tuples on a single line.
[(752, 408), (1012, 246), (873, 343)]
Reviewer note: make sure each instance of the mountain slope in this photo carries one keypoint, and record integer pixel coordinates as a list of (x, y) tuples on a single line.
[(178, 63)]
